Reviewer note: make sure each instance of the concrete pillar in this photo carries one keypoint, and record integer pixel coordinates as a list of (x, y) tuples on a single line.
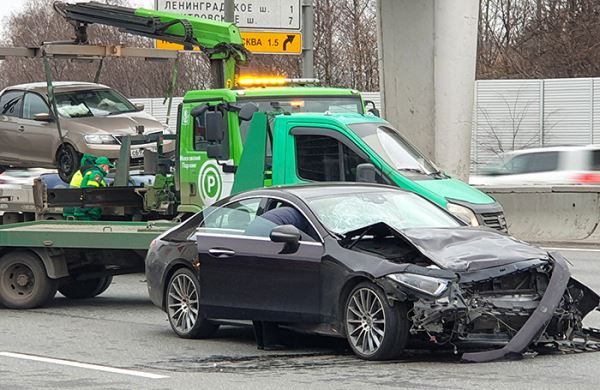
[(427, 52)]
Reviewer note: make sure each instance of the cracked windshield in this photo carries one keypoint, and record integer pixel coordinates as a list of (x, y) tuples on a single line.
[(342, 214)]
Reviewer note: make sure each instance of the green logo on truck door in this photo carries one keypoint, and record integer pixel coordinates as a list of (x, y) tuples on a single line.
[(210, 182)]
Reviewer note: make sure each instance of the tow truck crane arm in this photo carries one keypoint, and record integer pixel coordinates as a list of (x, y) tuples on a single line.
[(221, 41)]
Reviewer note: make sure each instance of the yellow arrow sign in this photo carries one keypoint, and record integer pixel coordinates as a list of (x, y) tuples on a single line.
[(258, 42), (272, 42)]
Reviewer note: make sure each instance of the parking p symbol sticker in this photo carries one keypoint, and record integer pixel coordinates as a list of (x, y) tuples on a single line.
[(210, 182)]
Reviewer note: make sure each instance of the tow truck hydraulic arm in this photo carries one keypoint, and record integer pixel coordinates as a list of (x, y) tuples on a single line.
[(221, 41)]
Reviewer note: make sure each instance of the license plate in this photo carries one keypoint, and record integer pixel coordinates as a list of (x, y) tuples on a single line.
[(139, 153)]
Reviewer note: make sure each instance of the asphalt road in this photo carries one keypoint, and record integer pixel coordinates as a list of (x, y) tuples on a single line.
[(121, 330)]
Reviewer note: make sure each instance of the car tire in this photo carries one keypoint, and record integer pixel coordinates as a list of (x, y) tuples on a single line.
[(375, 330), (24, 283), (86, 288), (183, 306), (67, 162)]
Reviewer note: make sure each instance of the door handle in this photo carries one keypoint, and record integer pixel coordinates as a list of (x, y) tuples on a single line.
[(221, 252), (21, 129)]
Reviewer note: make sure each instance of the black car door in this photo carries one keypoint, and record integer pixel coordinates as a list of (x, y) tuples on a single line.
[(246, 276)]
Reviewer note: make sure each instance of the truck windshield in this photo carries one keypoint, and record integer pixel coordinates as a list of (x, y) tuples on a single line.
[(92, 102), (396, 150), (316, 104)]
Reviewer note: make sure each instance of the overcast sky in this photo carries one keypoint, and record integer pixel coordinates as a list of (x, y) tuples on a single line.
[(10, 6)]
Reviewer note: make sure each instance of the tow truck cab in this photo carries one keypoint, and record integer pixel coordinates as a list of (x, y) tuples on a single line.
[(305, 134)]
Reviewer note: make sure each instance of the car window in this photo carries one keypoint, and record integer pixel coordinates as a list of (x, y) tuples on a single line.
[(233, 218), (34, 104), (595, 160), (532, 163), (11, 103), (323, 158)]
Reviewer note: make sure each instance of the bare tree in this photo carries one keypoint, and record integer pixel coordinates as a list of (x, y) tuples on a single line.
[(538, 39), (345, 52), (135, 77)]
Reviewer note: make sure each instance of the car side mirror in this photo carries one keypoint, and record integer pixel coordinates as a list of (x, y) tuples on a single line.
[(373, 110), (366, 173), (287, 234), (43, 117), (139, 106), (247, 111)]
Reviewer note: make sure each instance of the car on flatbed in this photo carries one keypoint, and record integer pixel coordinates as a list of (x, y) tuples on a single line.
[(93, 119), (374, 264)]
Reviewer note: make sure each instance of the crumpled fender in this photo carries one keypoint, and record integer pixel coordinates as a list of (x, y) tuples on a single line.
[(538, 320)]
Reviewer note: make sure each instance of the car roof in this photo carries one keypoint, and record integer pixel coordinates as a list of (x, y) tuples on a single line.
[(553, 149), (315, 190), (60, 86)]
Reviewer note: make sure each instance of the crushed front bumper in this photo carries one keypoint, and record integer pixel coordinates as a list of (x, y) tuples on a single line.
[(538, 320)]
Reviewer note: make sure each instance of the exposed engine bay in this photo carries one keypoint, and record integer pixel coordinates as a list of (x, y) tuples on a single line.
[(524, 299)]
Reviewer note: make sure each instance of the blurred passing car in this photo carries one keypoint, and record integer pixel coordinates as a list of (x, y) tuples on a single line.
[(15, 178), (373, 264), (93, 119), (553, 165)]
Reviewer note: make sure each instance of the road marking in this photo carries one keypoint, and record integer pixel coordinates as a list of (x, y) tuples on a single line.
[(573, 249), (82, 365)]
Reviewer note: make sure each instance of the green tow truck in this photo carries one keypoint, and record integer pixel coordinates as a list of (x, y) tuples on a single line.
[(251, 134)]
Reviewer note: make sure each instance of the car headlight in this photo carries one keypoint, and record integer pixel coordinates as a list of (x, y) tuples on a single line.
[(464, 213), (425, 284), (106, 139)]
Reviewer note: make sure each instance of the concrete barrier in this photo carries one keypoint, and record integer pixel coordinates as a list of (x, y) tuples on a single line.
[(551, 214)]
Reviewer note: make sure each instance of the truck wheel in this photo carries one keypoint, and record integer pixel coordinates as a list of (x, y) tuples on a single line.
[(85, 288), (24, 283), (67, 162), (375, 330), (183, 307)]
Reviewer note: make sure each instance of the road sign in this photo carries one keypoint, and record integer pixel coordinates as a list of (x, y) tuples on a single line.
[(249, 14), (258, 42), (272, 42)]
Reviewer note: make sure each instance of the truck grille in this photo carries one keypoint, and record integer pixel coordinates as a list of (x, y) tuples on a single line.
[(494, 220)]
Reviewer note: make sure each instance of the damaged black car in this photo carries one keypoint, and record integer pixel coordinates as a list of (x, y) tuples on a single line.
[(379, 266)]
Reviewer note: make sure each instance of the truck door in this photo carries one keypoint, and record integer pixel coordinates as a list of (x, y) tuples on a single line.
[(322, 154), (204, 179)]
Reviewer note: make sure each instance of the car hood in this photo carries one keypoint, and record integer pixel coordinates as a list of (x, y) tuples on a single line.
[(121, 124), (455, 189), (468, 249)]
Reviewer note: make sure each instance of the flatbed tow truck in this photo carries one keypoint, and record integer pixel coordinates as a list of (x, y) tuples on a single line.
[(229, 139)]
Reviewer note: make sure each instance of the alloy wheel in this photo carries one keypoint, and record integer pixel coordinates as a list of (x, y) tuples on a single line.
[(183, 305), (365, 321)]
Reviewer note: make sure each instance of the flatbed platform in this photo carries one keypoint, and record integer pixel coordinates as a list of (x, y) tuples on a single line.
[(82, 234)]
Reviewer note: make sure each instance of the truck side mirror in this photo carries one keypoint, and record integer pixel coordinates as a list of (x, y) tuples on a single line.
[(215, 126), (217, 151), (199, 110), (247, 111), (366, 173), (373, 110)]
